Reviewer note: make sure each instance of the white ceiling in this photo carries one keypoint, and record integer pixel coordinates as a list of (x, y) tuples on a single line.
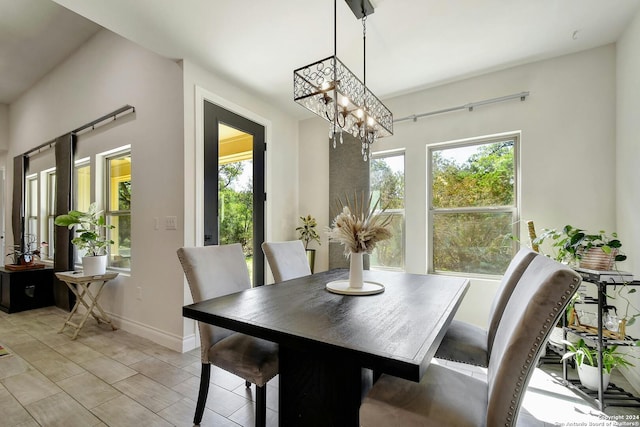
[(35, 36), (256, 44)]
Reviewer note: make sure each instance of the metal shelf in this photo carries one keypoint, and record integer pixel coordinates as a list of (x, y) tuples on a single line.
[(613, 395)]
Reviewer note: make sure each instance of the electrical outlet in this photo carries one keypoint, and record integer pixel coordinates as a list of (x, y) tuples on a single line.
[(139, 296), (171, 223)]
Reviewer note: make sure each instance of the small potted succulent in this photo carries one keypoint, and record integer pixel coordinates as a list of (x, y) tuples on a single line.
[(307, 233), (91, 237)]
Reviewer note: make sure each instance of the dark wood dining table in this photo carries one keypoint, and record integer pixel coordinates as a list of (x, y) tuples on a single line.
[(331, 344)]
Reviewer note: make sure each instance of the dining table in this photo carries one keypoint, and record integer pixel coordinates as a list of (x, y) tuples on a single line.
[(332, 346)]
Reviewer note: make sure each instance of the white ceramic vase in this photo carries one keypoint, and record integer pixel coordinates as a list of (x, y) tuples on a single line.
[(355, 270), (589, 377), (94, 265)]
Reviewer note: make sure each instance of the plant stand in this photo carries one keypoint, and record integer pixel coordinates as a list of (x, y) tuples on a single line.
[(79, 285), (613, 395)]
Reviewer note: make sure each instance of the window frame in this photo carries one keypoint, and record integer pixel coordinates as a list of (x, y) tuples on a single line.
[(32, 179), (513, 209), (381, 155), (105, 159), (49, 213)]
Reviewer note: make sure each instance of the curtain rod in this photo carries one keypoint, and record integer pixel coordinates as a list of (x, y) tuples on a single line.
[(112, 115), (470, 106)]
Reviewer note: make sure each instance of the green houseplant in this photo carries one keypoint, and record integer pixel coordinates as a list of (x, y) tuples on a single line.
[(23, 258), (575, 245), (91, 237), (595, 251), (587, 362), (307, 233)]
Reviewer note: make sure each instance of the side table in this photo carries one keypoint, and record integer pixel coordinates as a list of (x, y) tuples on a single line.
[(79, 285)]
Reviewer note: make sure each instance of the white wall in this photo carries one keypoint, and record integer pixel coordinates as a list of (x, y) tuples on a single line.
[(627, 158), (281, 166), (4, 127), (568, 130), (103, 75)]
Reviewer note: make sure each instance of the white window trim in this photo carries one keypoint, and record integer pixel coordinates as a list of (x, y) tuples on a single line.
[(517, 137), (102, 191), (393, 153)]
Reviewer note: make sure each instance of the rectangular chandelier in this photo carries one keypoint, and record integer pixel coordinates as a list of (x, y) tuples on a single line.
[(317, 86), (329, 89)]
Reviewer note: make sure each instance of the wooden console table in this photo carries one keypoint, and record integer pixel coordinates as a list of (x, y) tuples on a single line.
[(79, 285)]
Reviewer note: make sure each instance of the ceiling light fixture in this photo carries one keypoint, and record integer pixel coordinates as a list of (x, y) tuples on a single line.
[(330, 90)]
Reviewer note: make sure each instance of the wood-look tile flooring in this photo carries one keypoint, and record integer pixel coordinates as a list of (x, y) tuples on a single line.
[(115, 378)]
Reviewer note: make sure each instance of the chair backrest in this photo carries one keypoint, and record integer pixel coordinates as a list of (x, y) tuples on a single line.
[(287, 260), (516, 267), (536, 304), (214, 271)]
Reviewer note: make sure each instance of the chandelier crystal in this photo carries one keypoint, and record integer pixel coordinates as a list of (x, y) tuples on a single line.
[(329, 89)]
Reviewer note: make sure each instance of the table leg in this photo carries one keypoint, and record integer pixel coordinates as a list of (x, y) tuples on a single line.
[(67, 321), (320, 390), (81, 292), (89, 311), (102, 316)]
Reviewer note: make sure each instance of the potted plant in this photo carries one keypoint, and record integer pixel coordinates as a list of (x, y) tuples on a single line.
[(597, 251), (307, 233), (587, 363), (24, 258), (91, 237)]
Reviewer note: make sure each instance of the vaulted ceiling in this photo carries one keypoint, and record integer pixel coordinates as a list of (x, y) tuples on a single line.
[(411, 44)]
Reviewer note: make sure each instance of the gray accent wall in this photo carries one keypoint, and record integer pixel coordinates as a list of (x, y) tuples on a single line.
[(348, 174)]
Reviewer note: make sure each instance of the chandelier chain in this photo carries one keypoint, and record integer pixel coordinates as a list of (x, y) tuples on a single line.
[(330, 90)]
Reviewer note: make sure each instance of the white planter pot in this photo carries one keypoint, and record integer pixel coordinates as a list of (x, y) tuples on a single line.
[(589, 377), (94, 265), (556, 337)]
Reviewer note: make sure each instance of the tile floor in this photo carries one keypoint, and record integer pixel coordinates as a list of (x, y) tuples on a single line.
[(114, 378)]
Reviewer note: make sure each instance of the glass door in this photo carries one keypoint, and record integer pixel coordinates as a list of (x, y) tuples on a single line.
[(234, 185)]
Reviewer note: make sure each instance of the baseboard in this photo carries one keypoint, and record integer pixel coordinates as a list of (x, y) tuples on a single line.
[(190, 342), (171, 341)]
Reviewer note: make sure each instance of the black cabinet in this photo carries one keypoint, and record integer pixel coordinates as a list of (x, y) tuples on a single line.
[(25, 289)]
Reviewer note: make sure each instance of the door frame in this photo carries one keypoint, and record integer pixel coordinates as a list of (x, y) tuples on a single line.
[(194, 234)]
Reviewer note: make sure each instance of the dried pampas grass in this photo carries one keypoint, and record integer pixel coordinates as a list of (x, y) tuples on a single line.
[(357, 226)]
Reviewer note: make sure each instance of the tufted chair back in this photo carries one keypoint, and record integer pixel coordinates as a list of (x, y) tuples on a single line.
[(535, 306)]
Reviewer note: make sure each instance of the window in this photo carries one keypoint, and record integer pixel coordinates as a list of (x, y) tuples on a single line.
[(387, 183), (31, 207), (118, 208), (473, 205), (82, 198), (49, 250)]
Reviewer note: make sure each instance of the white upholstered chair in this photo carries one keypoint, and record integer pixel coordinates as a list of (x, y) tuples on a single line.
[(445, 397), (214, 271), (467, 343), (287, 260)]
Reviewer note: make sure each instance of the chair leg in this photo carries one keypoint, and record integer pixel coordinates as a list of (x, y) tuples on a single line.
[(202, 394), (261, 406)]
